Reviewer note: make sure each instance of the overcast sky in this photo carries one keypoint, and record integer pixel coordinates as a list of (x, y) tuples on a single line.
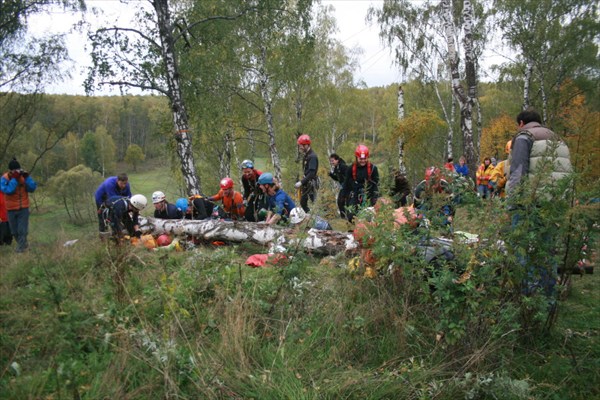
[(375, 62)]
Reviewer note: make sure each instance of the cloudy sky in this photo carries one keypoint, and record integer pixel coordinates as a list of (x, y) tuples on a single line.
[(375, 62)]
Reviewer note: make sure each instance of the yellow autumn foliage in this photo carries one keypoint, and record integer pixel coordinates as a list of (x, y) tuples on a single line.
[(495, 136)]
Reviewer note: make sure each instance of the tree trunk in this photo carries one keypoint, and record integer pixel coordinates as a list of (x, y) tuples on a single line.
[(264, 88), (315, 241), (527, 85), (180, 117), (471, 78), (401, 164), (465, 100)]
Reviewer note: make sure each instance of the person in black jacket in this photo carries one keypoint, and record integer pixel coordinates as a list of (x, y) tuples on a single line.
[(400, 189), (338, 171), (361, 187), (163, 209), (309, 184), (122, 213)]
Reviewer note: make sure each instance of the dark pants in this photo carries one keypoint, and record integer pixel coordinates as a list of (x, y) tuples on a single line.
[(101, 222), (5, 235), (341, 203), (19, 226), (308, 192)]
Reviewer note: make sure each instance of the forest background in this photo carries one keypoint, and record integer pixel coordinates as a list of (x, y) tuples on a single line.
[(229, 81)]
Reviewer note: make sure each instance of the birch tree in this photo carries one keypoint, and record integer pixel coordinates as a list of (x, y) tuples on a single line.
[(425, 39), (553, 41), (146, 58)]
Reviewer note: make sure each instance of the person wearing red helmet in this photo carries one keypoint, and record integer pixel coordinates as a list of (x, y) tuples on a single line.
[(233, 202), (361, 186), (309, 184)]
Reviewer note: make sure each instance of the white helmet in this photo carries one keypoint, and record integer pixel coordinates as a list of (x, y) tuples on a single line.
[(297, 215), (139, 201), (158, 196)]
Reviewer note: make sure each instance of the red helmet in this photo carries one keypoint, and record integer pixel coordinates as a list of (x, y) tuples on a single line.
[(361, 151), (303, 139), (163, 240), (226, 183)]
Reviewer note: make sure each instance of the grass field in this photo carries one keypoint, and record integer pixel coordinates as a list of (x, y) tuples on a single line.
[(91, 321)]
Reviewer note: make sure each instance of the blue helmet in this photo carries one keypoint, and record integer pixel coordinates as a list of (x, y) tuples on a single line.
[(247, 164), (265, 178), (182, 204)]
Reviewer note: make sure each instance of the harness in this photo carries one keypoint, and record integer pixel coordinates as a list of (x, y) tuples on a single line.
[(369, 170), (106, 208)]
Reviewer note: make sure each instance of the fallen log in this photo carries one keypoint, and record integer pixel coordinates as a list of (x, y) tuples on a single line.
[(314, 241)]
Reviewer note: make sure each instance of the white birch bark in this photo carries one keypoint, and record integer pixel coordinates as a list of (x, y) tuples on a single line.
[(527, 85), (401, 164), (180, 117), (264, 89), (465, 100), (315, 241)]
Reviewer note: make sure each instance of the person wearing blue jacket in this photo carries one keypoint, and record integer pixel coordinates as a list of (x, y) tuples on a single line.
[(113, 186), (462, 168), (279, 203), (16, 184)]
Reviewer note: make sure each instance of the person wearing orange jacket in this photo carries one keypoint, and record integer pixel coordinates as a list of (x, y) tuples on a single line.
[(483, 175), (233, 202), (16, 184)]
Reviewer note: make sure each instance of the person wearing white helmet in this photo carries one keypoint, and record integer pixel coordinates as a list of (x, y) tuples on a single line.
[(299, 217), (122, 213), (164, 209)]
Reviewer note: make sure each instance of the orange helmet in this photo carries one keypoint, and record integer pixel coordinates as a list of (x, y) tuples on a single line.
[(303, 139), (508, 147), (163, 240), (361, 151), (226, 183)]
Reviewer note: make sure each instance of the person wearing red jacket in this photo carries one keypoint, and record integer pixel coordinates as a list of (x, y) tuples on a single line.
[(16, 184), (5, 235)]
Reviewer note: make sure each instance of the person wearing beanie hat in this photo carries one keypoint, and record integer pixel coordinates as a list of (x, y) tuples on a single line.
[(16, 184), (14, 164)]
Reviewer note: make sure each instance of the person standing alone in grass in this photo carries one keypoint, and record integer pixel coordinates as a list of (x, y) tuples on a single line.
[(16, 184)]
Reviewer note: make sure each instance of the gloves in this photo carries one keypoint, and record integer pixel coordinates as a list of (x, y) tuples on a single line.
[(137, 234), (298, 184), (25, 174)]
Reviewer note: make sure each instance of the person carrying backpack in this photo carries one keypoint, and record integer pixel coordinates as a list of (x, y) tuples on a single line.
[(361, 186)]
